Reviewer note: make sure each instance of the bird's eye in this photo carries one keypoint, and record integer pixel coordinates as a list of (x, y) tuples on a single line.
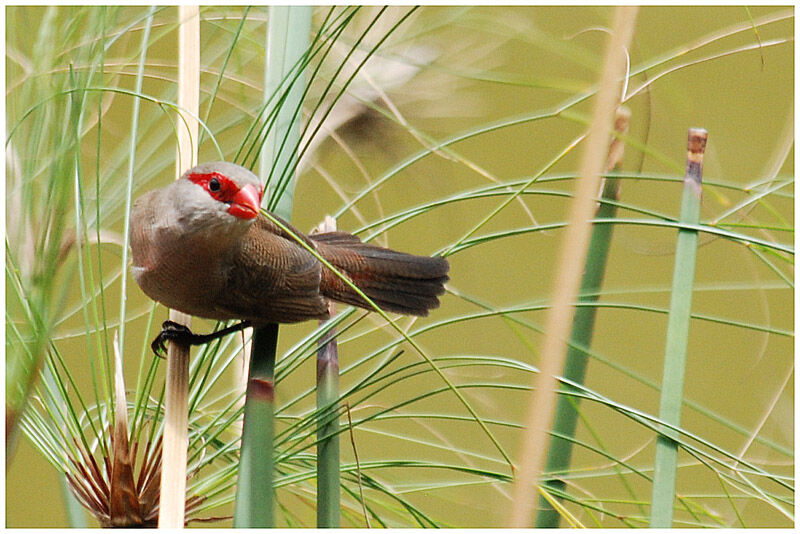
[(214, 185)]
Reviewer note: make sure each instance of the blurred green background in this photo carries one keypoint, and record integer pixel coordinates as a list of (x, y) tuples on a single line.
[(721, 68)]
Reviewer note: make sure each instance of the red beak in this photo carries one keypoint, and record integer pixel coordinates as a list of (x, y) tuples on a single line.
[(246, 203)]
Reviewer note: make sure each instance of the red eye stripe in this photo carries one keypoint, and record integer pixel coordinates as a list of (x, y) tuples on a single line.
[(218, 185)]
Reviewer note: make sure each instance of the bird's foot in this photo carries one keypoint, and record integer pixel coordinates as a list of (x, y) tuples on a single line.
[(178, 333), (172, 331)]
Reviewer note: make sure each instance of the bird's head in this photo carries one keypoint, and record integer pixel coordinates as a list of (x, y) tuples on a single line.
[(226, 187), (217, 198)]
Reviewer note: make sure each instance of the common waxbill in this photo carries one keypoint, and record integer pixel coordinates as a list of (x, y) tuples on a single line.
[(201, 246)]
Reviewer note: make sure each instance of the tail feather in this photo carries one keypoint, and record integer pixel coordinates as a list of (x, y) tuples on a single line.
[(399, 299), (395, 281)]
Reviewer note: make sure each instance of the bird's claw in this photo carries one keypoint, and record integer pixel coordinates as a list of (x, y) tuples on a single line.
[(178, 333), (171, 331)]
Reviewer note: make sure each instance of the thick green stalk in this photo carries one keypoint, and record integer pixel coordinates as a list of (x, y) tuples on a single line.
[(559, 453), (328, 469), (666, 463), (288, 31), (254, 494), (288, 37), (328, 484), (571, 261)]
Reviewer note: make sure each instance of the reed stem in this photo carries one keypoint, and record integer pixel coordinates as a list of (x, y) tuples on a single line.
[(570, 265), (666, 463), (172, 503), (254, 492), (328, 469), (559, 453), (288, 31)]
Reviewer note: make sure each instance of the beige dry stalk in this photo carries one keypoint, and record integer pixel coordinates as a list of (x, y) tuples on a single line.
[(176, 403), (571, 260)]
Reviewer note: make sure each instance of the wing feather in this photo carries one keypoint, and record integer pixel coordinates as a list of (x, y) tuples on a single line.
[(272, 279)]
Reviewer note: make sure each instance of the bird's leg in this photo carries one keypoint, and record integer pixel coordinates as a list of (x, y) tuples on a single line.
[(178, 333)]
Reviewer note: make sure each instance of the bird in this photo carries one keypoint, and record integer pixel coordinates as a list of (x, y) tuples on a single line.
[(202, 246)]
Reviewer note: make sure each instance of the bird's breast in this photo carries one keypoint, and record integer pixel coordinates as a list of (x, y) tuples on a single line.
[(179, 270)]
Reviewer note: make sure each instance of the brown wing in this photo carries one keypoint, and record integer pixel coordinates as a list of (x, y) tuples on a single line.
[(272, 279), (395, 281)]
